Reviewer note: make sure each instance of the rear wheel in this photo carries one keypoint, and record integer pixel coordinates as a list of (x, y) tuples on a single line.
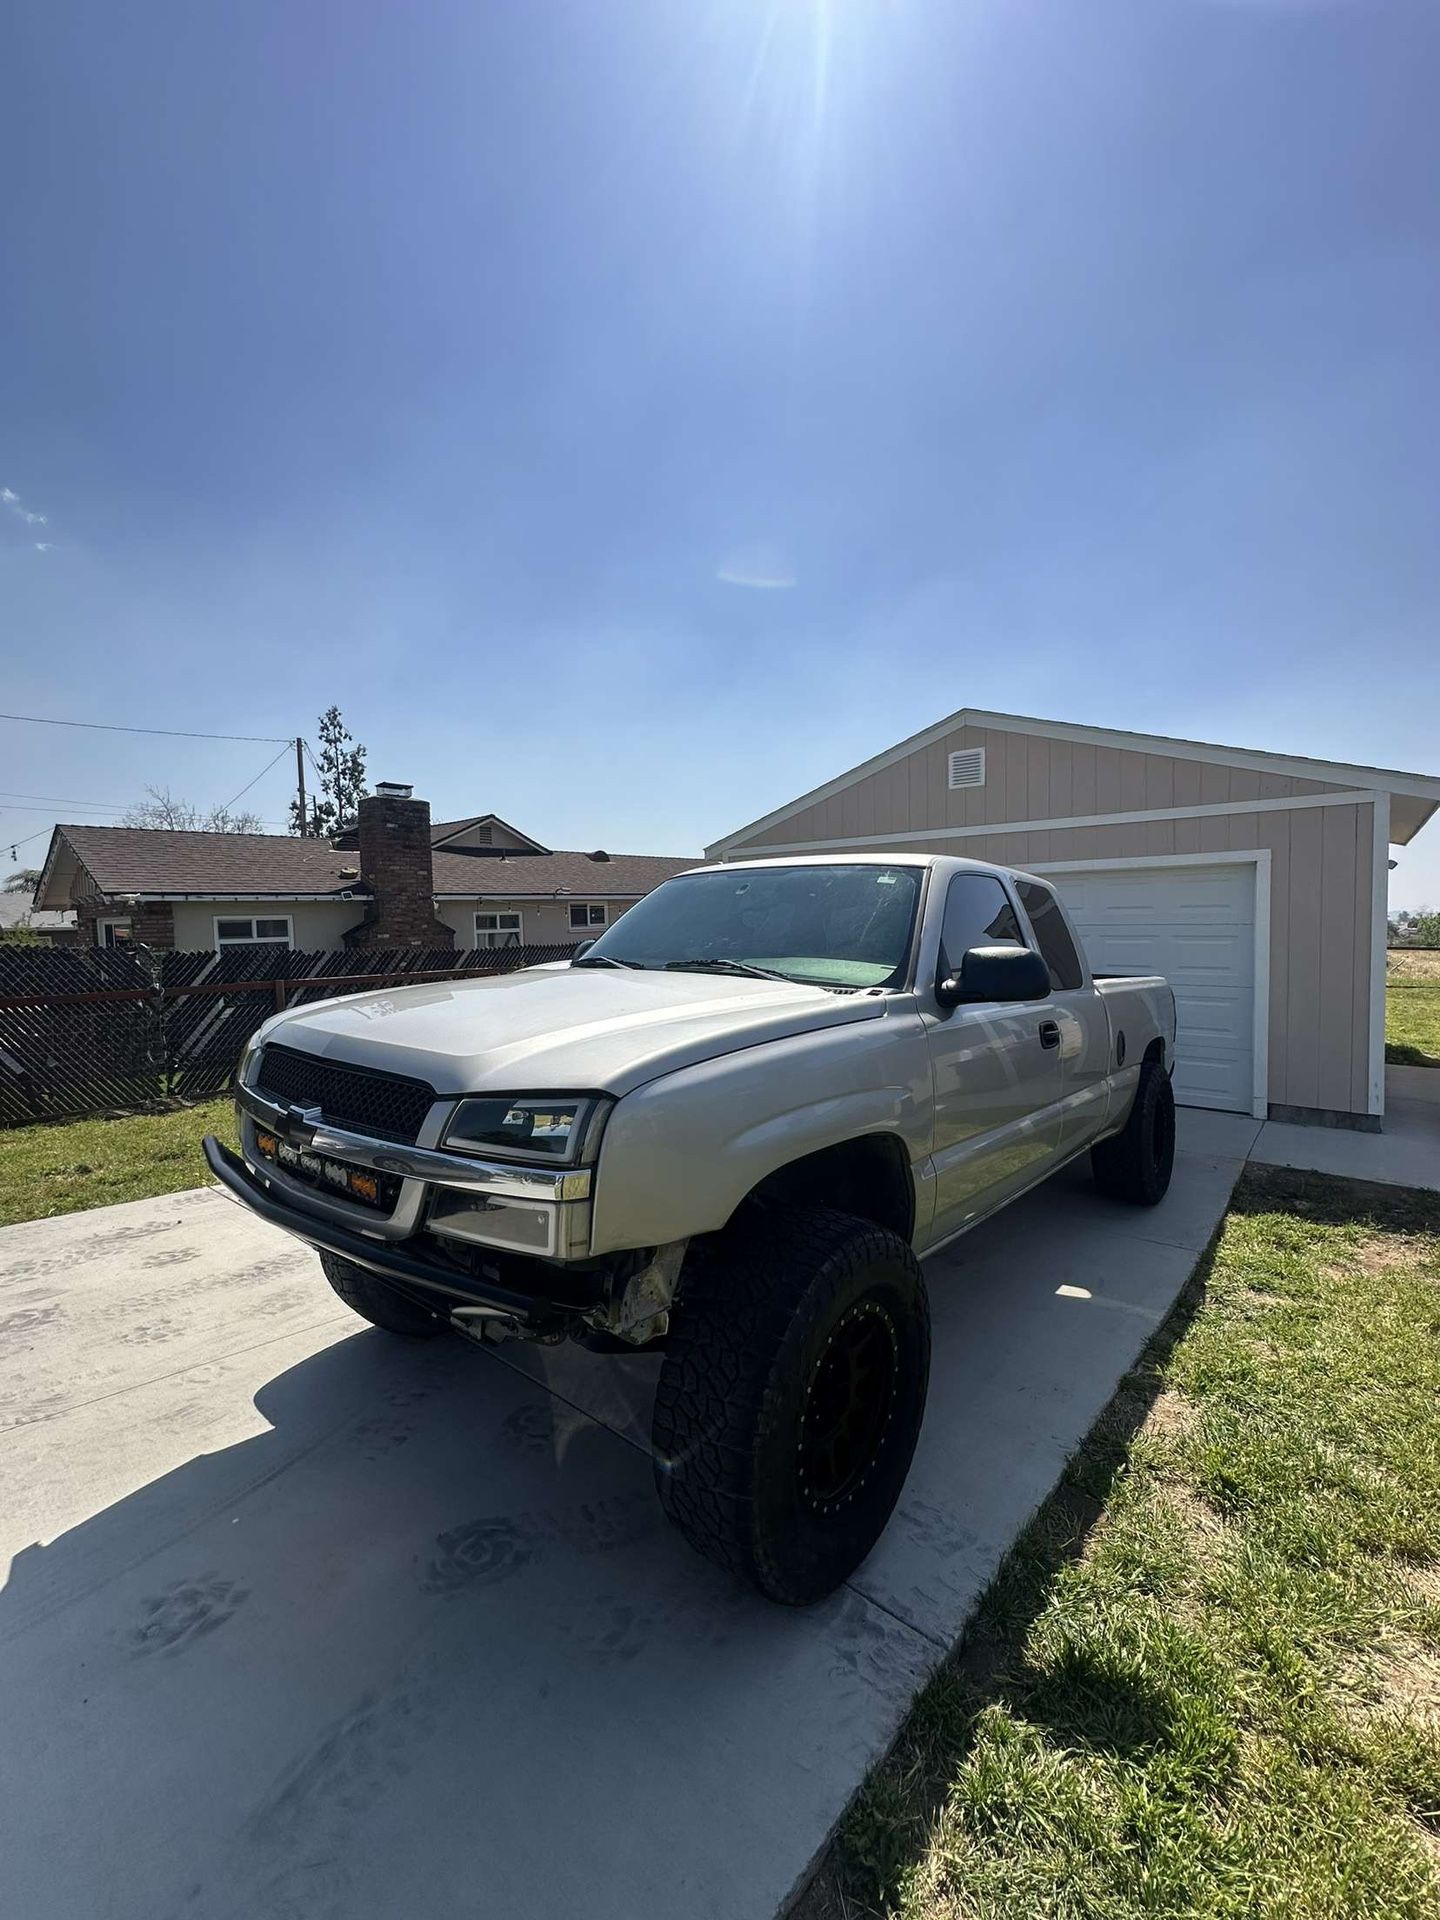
[(791, 1397), (1136, 1163), (378, 1302)]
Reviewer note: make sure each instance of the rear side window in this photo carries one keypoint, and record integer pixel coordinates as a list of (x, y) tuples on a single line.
[(1052, 936), (978, 913)]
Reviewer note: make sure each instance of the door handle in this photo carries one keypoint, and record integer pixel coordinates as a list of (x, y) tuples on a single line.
[(1049, 1033)]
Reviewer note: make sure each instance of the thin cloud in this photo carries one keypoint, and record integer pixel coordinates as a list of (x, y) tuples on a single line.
[(765, 567), (44, 546), (11, 499)]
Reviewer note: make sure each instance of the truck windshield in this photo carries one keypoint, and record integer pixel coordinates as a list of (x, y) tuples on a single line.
[(840, 926)]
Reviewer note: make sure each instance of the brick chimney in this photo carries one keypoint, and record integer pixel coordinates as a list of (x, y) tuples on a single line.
[(396, 865)]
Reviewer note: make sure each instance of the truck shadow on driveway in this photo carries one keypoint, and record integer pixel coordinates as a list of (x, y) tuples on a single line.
[(392, 1639), (401, 1628)]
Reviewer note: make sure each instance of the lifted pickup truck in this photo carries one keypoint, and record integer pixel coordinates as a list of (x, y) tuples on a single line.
[(729, 1130)]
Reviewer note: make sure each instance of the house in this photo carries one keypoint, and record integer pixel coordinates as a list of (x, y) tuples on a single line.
[(393, 880), (1255, 881), (18, 917)]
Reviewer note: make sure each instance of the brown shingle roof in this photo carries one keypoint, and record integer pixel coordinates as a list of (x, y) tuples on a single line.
[(235, 866), (149, 861)]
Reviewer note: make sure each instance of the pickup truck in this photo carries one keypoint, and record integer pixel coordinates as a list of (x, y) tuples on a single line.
[(727, 1130)]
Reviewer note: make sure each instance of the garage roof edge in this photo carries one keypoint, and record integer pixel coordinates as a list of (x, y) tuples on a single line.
[(1345, 773)]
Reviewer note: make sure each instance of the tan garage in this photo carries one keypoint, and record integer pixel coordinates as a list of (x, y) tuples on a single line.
[(1255, 881)]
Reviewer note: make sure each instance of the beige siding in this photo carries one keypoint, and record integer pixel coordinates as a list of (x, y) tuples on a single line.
[(543, 922), (318, 925), (321, 924), (1027, 777)]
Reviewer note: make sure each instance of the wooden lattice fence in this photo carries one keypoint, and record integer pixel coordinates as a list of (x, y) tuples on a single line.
[(87, 1030)]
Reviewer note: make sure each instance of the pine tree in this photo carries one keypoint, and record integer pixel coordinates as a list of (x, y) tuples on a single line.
[(342, 780)]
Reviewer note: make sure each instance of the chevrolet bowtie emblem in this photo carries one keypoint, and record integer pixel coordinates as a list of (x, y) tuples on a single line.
[(301, 1122)]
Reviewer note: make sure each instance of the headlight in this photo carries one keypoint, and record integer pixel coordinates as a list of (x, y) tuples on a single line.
[(555, 1131)]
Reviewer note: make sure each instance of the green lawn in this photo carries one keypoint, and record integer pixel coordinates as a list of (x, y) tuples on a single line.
[(46, 1170), (1207, 1680), (1412, 1025)]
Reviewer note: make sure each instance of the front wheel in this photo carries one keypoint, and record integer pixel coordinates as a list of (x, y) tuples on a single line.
[(1136, 1163), (791, 1396), (375, 1300)]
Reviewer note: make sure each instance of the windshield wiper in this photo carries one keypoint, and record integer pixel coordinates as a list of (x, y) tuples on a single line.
[(605, 960), (730, 966)]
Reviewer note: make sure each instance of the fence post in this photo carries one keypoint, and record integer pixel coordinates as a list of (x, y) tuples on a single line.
[(157, 1040), (282, 995)]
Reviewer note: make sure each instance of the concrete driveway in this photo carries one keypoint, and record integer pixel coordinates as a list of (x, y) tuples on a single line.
[(304, 1621)]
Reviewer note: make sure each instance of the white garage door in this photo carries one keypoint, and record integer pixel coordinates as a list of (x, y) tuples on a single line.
[(1196, 925)]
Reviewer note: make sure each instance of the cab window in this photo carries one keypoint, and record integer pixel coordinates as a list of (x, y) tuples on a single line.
[(1052, 936), (978, 913)]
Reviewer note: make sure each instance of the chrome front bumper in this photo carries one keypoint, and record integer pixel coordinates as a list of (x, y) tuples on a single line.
[(428, 1279), (542, 1211)]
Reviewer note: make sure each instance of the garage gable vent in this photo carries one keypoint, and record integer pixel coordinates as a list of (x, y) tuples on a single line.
[(967, 768)]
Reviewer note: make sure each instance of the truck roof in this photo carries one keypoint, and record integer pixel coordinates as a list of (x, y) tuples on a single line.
[(895, 858)]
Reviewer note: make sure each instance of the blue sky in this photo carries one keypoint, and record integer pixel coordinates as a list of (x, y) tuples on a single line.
[(634, 414)]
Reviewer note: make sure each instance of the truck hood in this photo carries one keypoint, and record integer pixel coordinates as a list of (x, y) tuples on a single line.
[(566, 1029)]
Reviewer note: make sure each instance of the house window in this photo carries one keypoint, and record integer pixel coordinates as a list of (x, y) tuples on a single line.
[(254, 931), (498, 930), (112, 933), (583, 918)]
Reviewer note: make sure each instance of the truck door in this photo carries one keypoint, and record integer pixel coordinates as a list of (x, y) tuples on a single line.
[(1085, 1063), (995, 1070)]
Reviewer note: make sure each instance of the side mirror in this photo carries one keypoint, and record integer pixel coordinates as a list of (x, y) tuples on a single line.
[(583, 946), (996, 973)]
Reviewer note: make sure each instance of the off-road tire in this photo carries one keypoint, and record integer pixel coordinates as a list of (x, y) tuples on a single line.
[(378, 1302), (1136, 1163), (768, 1316)]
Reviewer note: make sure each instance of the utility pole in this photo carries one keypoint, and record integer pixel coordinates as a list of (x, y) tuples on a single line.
[(300, 783)]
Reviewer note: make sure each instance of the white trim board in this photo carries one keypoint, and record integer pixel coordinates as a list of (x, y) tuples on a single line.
[(1136, 817), (1421, 786), (354, 896), (1257, 857), (549, 897), (1379, 903)]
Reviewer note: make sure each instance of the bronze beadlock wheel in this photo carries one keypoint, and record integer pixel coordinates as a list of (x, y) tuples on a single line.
[(849, 1404)]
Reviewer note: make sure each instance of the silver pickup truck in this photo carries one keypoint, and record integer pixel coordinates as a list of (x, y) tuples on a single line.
[(728, 1130)]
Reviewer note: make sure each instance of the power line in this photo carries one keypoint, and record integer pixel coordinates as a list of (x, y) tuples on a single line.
[(259, 776), (15, 845), (169, 733), (92, 806), (18, 803), (12, 801), (95, 806), (104, 806)]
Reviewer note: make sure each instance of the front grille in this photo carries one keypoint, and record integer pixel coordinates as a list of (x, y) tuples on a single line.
[(383, 1104)]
